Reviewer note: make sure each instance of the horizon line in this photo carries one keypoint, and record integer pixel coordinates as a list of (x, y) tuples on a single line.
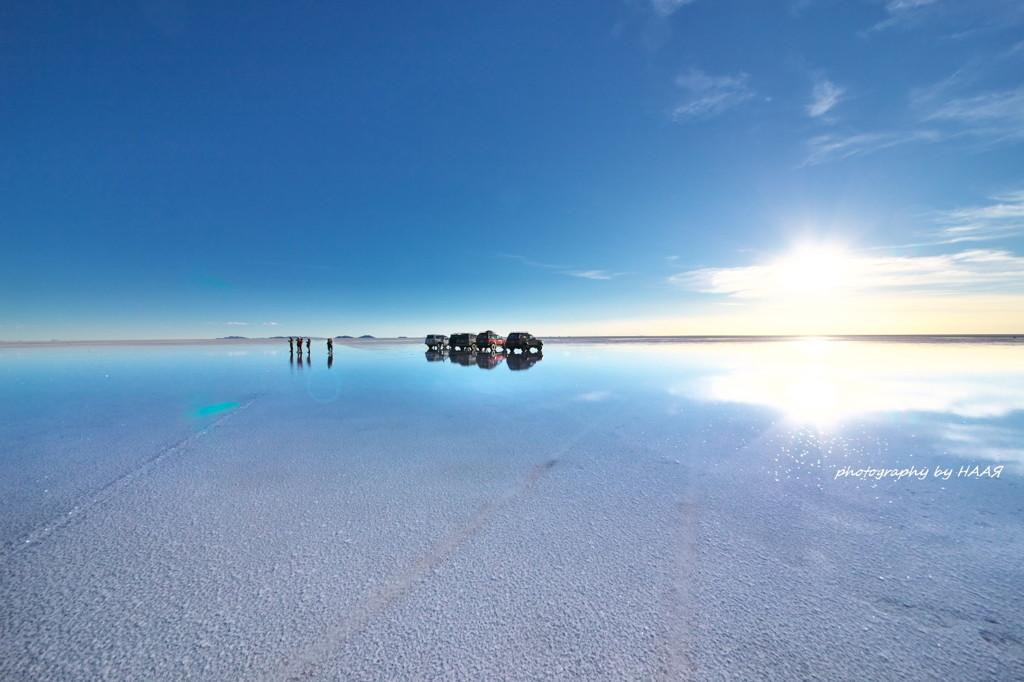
[(370, 338)]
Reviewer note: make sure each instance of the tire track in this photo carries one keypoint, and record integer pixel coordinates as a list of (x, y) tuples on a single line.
[(307, 663), (107, 491), (679, 607)]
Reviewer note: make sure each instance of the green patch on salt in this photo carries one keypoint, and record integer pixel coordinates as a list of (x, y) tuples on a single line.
[(214, 409)]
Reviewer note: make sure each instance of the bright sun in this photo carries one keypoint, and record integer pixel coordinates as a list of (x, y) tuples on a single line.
[(812, 269)]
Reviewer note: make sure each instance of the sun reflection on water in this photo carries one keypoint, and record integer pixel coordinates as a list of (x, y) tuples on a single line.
[(827, 380)]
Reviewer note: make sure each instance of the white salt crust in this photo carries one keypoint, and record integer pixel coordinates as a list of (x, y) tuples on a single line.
[(378, 537)]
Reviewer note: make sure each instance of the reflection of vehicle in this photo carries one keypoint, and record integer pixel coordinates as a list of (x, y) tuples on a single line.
[(489, 341), (489, 360), (436, 355), (523, 360), (462, 341), (523, 342), (436, 341), (462, 357)]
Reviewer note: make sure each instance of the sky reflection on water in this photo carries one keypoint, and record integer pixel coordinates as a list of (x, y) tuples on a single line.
[(967, 395), (957, 399)]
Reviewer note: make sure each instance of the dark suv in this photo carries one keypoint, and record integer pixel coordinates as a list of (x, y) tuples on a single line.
[(462, 341), (436, 341), (489, 340), (524, 342)]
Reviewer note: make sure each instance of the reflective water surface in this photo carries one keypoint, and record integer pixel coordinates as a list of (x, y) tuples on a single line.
[(717, 509)]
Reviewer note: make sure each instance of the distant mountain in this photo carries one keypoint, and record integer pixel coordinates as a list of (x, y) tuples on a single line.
[(233, 337), (343, 337), (366, 336)]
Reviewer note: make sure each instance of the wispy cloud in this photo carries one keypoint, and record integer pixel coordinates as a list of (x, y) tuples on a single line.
[(824, 96), (903, 11), (533, 263), (833, 147), (974, 101), (988, 118), (1002, 218), (270, 324), (973, 271), (593, 274), (976, 106), (903, 6), (665, 8), (994, 114), (709, 96), (564, 270), (963, 16), (241, 324)]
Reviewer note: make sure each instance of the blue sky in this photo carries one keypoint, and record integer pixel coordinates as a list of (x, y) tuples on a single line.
[(177, 169)]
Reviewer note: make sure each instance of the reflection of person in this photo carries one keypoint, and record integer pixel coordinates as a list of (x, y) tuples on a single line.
[(330, 346)]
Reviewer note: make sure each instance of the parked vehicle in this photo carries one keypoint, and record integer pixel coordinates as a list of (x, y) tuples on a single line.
[(489, 341), (523, 342), (436, 341), (462, 341)]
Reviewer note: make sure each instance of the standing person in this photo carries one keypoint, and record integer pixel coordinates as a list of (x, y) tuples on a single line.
[(307, 346), (291, 345), (330, 346)]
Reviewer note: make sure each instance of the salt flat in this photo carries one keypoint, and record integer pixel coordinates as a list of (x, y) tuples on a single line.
[(619, 510)]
